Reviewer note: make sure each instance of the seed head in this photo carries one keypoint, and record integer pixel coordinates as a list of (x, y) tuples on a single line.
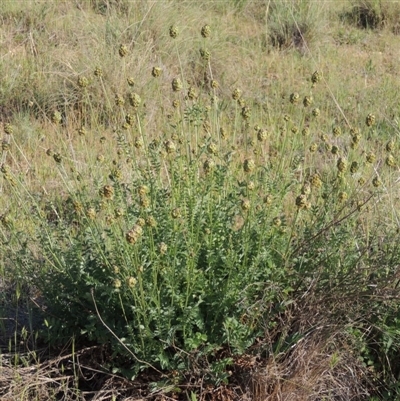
[(334, 150), (173, 31), (107, 192), (268, 199), (336, 131), (151, 222), (98, 72), (129, 119), (131, 81), (205, 54), (141, 222), (341, 165), (305, 131), (192, 94), (123, 50), (212, 148), (236, 94), (163, 248), (245, 204), (143, 190), (294, 98), (138, 143), (214, 84), (246, 112), (376, 182), (313, 147), (301, 201), (131, 282), (133, 234), (91, 213), (277, 222), (316, 77), (316, 181), (370, 120), (134, 100), (144, 201), (57, 157), (262, 135), (208, 165), (307, 101), (390, 161), (361, 181), (354, 167), (316, 112), (8, 129), (83, 82), (249, 165), (206, 31), (156, 72), (5, 145), (169, 146), (250, 185), (119, 100), (390, 146), (342, 196), (370, 157), (176, 85), (56, 117)]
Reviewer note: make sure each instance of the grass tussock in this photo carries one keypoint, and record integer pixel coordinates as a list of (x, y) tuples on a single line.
[(185, 216)]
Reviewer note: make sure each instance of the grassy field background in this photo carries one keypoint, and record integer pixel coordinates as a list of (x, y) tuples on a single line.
[(199, 200)]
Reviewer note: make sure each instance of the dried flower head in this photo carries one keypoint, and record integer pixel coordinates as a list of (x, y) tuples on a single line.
[(249, 165), (376, 182), (390, 146), (370, 120), (131, 81), (276, 221), (119, 100), (212, 148), (341, 164), (316, 181), (294, 98), (316, 112), (131, 282), (307, 101), (206, 31), (301, 201), (162, 247), (214, 84), (316, 77), (173, 31), (156, 72), (208, 165), (169, 146), (107, 192), (57, 157), (91, 213), (123, 50), (205, 54), (176, 85), (8, 129), (245, 204), (151, 221), (354, 167), (192, 93), (56, 117), (370, 157), (390, 161), (236, 94), (336, 131), (134, 100), (98, 72), (117, 283), (246, 112), (83, 82)]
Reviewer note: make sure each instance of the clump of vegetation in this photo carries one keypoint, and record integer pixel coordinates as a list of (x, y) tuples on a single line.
[(374, 14), (160, 211)]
